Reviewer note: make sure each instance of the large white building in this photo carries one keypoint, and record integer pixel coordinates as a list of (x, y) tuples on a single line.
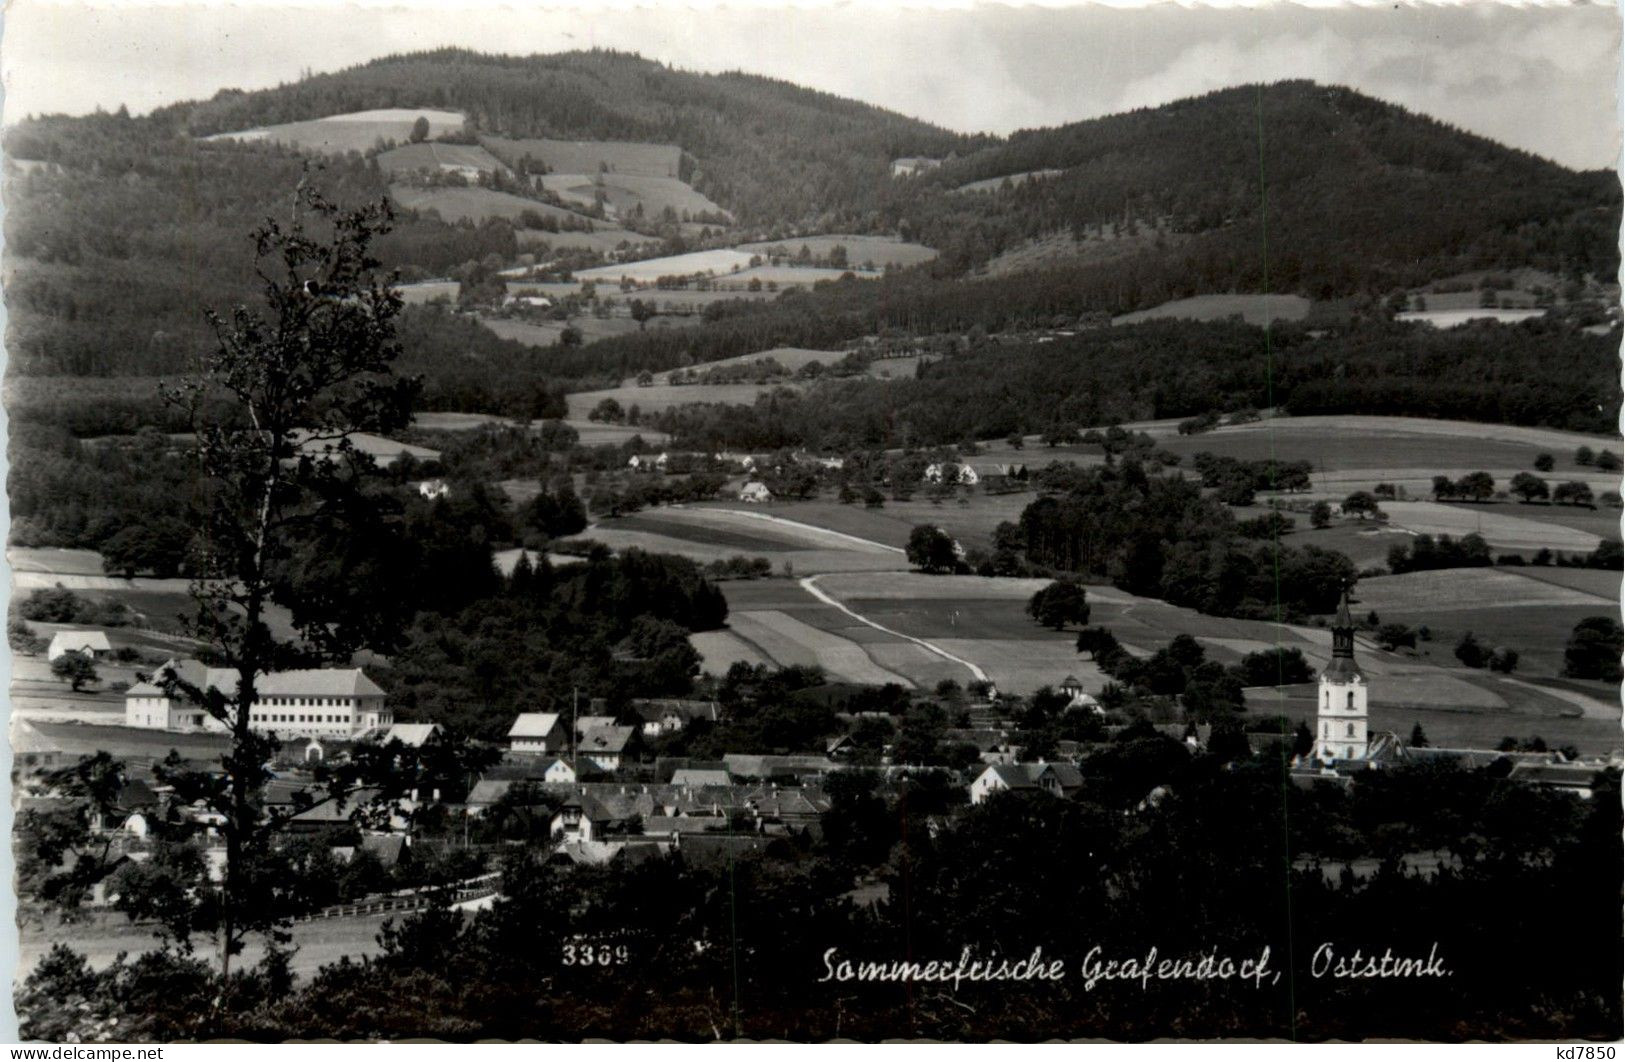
[(1343, 732), (312, 702)]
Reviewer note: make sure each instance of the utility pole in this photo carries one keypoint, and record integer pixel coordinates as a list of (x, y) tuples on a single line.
[(574, 698)]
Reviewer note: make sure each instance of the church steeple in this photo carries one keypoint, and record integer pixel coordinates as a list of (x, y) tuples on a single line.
[(1343, 724), (1342, 667), (1343, 628)]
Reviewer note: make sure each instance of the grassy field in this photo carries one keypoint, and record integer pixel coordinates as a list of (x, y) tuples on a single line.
[(80, 739), (624, 193), (1528, 609), (586, 156), (1452, 727), (1600, 523), (429, 291), (861, 251), (664, 396), (1254, 309), (706, 535), (785, 276), (713, 263), (410, 158), (1452, 318), (792, 358), (1504, 526), (546, 333), (994, 184), (602, 240), (358, 131), (971, 522), (475, 205)]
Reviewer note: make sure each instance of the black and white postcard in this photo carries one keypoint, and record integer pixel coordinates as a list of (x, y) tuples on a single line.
[(829, 522)]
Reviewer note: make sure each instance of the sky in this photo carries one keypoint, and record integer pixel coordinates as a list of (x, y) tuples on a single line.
[(1539, 77)]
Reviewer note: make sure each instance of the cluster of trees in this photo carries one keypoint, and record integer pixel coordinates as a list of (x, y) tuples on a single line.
[(1236, 480), (1473, 653), (1054, 389), (1161, 536), (617, 625), (1360, 195), (1425, 553), (1531, 488), (1594, 648), (1181, 669)]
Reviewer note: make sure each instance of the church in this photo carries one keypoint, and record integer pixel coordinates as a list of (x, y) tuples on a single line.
[(1343, 732)]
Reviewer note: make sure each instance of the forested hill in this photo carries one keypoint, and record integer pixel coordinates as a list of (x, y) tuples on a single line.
[(767, 150), (1357, 194)]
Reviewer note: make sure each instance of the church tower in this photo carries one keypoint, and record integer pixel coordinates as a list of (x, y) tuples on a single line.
[(1342, 733)]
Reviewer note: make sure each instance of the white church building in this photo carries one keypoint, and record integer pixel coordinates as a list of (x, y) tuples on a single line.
[(1343, 731)]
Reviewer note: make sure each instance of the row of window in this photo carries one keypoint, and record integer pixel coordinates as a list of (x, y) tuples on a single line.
[(286, 717), (1326, 730), (308, 702), (1326, 699)]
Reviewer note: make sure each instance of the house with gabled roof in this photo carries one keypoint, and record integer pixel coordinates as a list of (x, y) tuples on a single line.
[(1057, 779), (93, 644), (538, 732), (605, 746)]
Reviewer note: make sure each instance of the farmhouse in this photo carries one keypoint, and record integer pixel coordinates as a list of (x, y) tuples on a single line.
[(312, 702), (535, 732), (413, 735), (432, 488), (755, 492), (1057, 779), (667, 716), (86, 643), (913, 167), (951, 473), (605, 746)]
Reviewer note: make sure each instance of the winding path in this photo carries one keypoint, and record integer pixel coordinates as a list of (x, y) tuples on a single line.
[(810, 584)]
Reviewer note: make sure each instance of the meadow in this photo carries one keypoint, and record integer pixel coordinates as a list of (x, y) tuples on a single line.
[(586, 156), (994, 184), (1254, 309), (861, 251), (715, 263), (625, 193), (546, 333), (358, 131), (477, 205), (792, 358), (604, 239), (429, 155)]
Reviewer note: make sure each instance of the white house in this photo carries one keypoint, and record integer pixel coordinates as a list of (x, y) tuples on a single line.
[(538, 732), (86, 643), (1057, 779), (755, 492), (310, 702), (413, 735), (950, 472), (647, 462), (432, 488), (605, 746)]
